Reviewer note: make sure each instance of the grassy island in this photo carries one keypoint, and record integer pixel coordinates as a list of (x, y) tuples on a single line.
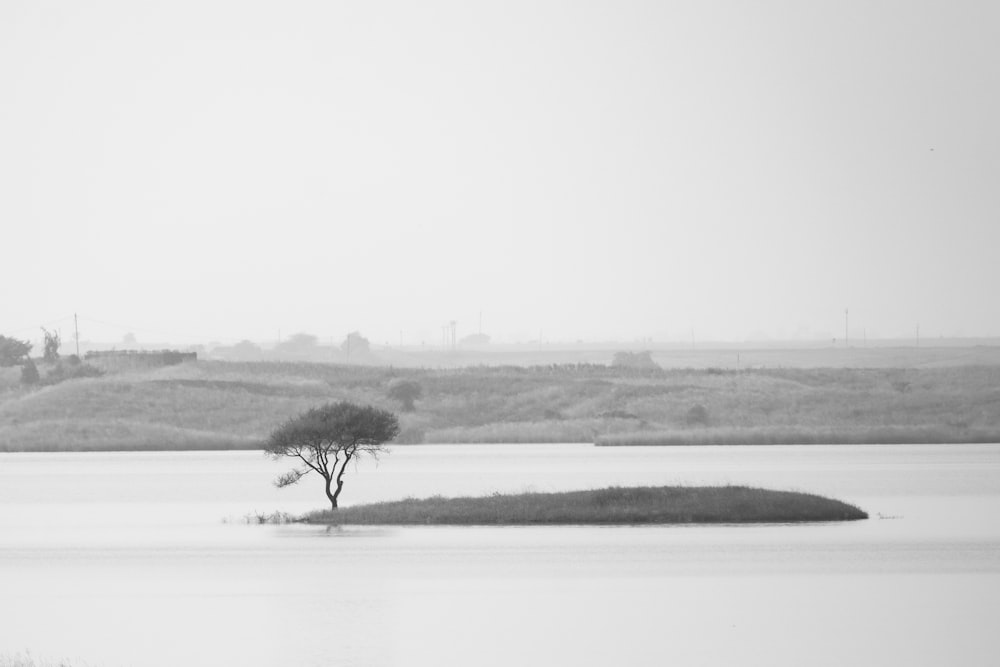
[(610, 506)]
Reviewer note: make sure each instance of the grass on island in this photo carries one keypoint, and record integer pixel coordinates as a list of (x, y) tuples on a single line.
[(610, 506)]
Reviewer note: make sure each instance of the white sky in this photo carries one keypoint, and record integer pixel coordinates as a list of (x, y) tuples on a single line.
[(590, 170)]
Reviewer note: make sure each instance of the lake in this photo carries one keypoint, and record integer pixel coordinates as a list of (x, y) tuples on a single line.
[(118, 559)]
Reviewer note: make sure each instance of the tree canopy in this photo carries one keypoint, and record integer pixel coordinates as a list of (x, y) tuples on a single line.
[(325, 439), (13, 352), (355, 345), (299, 346)]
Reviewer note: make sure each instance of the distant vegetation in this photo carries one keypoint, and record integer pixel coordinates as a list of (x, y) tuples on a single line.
[(633, 360), (615, 505), (13, 352), (221, 405), (70, 368), (55, 369), (28, 660)]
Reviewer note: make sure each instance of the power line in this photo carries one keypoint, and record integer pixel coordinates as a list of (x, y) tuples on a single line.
[(43, 324)]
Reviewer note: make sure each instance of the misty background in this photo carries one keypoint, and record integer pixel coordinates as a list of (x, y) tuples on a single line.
[(568, 171)]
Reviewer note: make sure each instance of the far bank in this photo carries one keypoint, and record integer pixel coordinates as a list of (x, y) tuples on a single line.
[(233, 405)]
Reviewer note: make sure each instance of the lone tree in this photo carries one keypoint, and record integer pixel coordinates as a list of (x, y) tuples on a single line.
[(325, 439)]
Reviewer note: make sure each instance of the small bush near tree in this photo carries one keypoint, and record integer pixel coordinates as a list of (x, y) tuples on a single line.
[(406, 392)]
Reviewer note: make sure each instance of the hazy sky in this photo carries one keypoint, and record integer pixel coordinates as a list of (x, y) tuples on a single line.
[(588, 170)]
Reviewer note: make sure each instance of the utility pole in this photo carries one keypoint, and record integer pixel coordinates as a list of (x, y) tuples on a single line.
[(76, 334)]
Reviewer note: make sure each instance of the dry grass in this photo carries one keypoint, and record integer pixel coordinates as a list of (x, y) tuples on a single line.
[(209, 405)]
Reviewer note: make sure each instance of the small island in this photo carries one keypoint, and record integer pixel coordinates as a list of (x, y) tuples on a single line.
[(609, 506)]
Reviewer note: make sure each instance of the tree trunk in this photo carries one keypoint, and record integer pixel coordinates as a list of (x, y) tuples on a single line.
[(340, 481), (336, 494), (332, 496)]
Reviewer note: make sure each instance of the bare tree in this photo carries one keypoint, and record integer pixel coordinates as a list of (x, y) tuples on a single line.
[(326, 438), (52, 343)]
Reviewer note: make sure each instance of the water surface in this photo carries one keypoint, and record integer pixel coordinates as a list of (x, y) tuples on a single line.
[(142, 559)]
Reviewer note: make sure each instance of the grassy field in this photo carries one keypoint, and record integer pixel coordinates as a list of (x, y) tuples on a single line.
[(223, 405), (614, 505)]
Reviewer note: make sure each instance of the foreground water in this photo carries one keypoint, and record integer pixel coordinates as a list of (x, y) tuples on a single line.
[(143, 559)]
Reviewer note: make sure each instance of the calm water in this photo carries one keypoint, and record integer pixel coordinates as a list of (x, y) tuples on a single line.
[(141, 559)]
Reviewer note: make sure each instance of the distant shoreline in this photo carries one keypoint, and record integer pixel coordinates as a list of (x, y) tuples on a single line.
[(609, 506), (677, 440), (209, 406), (804, 436)]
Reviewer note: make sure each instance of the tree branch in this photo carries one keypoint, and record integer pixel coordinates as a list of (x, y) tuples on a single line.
[(308, 463), (289, 478)]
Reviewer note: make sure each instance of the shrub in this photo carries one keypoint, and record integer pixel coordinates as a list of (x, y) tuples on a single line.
[(29, 373), (69, 371), (405, 391), (697, 415)]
